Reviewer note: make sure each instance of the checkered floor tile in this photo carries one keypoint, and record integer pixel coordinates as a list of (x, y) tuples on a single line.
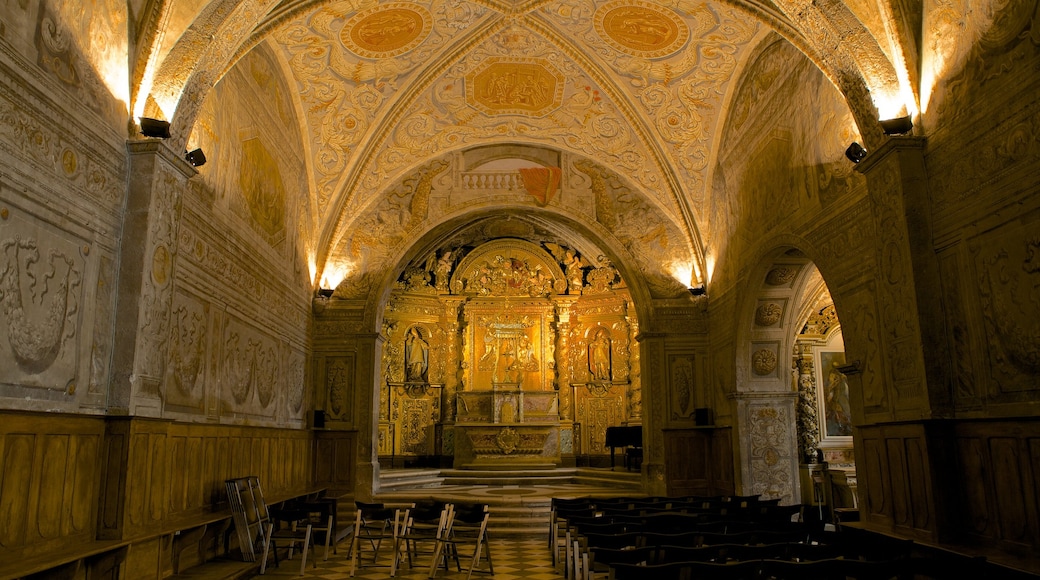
[(513, 559)]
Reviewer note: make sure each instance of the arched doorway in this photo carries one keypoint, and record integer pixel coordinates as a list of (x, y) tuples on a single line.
[(793, 408)]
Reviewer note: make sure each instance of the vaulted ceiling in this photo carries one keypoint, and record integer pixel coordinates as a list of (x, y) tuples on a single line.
[(642, 88)]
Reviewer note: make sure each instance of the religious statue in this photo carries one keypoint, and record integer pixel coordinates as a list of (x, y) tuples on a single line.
[(416, 356), (599, 356), (443, 269), (572, 266)]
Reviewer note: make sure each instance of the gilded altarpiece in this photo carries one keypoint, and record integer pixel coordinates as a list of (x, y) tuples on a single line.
[(507, 354), (599, 365)]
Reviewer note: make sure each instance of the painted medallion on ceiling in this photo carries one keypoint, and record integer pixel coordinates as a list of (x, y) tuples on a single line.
[(641, 29), (387, 30), (512, 86)]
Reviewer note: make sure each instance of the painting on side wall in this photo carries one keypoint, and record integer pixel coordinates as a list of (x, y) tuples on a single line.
[(834, 396)]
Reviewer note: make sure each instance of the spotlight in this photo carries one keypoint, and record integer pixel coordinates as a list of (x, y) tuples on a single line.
[(155, 128), (897, 126), (855, 152), (698, 290), (197, 158), (326, 292)]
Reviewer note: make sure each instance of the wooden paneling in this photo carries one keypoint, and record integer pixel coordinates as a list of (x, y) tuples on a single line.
[(895, 476), (49, 481), (334, 458), (699, 461), (998, 464), (144, 478)]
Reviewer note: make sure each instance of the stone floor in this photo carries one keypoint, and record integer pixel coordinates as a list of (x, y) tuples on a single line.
[(513, 559)]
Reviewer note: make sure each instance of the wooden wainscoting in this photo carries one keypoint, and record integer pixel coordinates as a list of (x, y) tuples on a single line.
[(699, 461)]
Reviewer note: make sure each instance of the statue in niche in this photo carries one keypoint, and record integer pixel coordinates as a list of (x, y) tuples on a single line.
[(599, 355), (417, 357)]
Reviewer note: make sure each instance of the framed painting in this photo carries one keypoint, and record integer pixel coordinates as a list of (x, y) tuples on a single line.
[(833, 397)]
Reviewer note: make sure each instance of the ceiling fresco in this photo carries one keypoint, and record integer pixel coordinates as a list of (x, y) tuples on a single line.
[(640, 88)]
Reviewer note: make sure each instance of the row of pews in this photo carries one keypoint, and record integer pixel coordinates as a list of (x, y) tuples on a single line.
[(734, 538)]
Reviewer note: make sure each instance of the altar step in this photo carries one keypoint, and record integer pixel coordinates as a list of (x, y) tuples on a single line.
[(519, 500), (405, 479)]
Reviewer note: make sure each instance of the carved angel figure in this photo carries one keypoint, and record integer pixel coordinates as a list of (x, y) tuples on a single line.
[(572, 266)]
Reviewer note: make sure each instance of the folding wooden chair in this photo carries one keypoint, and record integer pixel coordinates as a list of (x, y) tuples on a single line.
[(469, 526), (373, 523)]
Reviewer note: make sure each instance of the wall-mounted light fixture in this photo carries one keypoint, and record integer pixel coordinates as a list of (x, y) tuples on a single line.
[(155, 128), (698, 290), (326, 292), (196, 157), (855, 152), (897, 126)]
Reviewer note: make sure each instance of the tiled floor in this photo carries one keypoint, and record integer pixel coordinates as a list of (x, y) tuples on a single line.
[(513, 558)]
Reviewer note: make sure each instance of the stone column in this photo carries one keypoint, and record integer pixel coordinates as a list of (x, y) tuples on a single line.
[(148, 253), (452, 370), (808, 419)]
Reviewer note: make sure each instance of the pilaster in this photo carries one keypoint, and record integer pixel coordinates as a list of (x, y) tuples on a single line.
[(147, 264)]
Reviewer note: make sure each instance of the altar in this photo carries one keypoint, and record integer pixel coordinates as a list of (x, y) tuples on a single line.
[(506, 428)]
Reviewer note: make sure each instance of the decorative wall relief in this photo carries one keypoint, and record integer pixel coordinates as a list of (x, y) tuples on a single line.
[(770, 440), (100, 347), (515, 86), (763, 361), (865, 343), (41, 293), (339, 372), (682, 385), (156, 288), (782, 275), (1008, 267), (185, 367), (768, 314), (251, 369), (297, 382)]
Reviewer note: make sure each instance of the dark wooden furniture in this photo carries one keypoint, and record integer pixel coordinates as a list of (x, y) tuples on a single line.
[(627, 437)]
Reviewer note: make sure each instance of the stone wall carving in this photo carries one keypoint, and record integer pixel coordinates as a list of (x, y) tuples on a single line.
[(768, 314), (186, 366), (252, 369), (339, 382), (41, 301), (682, 380), (897, 301), (763, 361), (1008, 275), (770, 440)]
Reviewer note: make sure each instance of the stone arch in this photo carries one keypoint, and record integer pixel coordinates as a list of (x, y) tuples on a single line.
[(767, 397)]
